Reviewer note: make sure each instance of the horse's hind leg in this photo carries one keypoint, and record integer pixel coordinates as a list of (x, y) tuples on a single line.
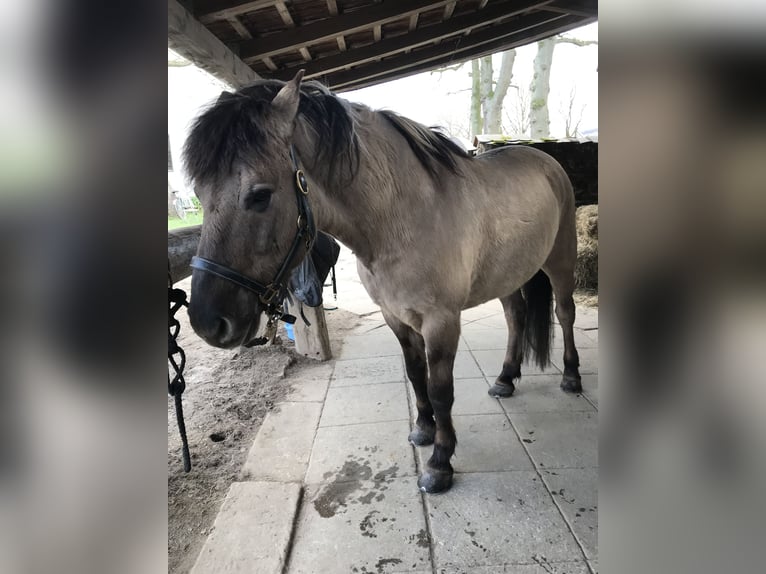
[(414, 351), (515, 314), (561, 274)]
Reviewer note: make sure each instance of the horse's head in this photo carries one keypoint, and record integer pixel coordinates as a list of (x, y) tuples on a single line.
[(239, 158)]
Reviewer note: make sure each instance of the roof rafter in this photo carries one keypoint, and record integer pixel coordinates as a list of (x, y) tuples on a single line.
[(343, 24), (420, 37), (448, 52)]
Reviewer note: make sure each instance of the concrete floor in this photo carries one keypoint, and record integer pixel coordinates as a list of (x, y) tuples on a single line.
[(330, 482)]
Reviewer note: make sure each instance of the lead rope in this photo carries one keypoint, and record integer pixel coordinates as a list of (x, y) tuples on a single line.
[(176, 387)]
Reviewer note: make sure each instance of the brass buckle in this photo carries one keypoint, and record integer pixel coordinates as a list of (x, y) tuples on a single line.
[(300, 180), (268, 296)]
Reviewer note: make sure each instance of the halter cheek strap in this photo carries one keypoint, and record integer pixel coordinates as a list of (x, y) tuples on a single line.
[(271, 295)]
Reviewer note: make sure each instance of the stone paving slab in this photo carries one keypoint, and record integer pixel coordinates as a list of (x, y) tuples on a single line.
[(588, 360), (368, 371), (283, 444), (491, 363), (576, 492), (481, 311), (361, 526), (590, 388), (252, 530), (543, 567), (559, 439), (496, 321), (542, 393), (471, 398), (378, 343), (492, 518), (365, 404), (582, 340), (311, 385), (479, 338), (465, 366), (485, 443), (586, 318), (359, 452)]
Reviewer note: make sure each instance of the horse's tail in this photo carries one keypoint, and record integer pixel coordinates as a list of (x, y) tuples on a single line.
[(537, 327)]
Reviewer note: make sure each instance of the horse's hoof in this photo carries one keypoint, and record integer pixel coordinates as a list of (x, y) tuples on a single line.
[(420, 437), (571, 384), (432, 482), (501, 390)]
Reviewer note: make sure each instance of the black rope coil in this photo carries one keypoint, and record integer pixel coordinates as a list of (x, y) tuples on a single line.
[(177, 360)]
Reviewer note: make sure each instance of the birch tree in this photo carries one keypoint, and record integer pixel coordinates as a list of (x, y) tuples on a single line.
[(488, 93), (540, 86)]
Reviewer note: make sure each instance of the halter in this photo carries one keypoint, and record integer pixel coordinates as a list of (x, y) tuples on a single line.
[(273, 294)]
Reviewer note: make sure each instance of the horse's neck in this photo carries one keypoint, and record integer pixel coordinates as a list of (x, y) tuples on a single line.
[(363, 213)]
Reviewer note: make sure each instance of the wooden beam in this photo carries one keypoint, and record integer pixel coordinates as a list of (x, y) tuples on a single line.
[(270, 64), (284, 13), (198, 45), (332, 8), (585, 9), (288, 21), (239, 28), (182, 246), (416, 62), (342, 25), (208, 11), (421, 37)]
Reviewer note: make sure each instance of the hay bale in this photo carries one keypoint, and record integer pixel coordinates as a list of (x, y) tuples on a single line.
[(586, 267)]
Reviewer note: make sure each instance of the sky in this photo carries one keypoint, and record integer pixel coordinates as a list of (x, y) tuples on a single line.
[(432, 98)]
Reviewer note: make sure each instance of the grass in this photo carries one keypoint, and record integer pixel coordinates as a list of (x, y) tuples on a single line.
[(191, 219)]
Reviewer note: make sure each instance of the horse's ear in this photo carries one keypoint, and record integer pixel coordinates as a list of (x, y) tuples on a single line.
[(287, 99)]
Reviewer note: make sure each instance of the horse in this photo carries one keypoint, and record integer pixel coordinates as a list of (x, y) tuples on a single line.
[(435, 231)]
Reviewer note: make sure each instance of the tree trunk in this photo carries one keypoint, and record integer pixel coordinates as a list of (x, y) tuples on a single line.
[(493, 117), (475, 98), (538, 106), (486, 89)]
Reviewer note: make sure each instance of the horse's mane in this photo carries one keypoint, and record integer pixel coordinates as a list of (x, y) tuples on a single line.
[(232, 129), (429, 145)]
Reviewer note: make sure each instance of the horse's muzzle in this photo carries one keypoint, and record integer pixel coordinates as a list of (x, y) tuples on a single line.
[(220, 330)]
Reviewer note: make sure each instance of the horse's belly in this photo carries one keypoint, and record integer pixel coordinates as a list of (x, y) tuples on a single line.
[(505, 267)]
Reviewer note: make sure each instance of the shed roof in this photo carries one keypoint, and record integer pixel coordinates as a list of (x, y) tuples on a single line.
[(350, 44)]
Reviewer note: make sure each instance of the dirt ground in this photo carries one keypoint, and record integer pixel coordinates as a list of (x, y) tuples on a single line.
[(227, 396)]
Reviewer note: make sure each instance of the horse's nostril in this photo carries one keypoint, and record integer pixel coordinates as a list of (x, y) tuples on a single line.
[(224, 329)]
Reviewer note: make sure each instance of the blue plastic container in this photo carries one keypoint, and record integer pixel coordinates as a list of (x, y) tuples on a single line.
[(289, 329)]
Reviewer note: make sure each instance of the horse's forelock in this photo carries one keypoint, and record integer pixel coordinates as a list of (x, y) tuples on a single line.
[(234, 128)]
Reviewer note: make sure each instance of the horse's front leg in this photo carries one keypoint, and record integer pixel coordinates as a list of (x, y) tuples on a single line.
[(441, 335), (414, 351)]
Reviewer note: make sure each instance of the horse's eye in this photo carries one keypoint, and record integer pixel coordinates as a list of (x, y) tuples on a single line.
[(258, 197)]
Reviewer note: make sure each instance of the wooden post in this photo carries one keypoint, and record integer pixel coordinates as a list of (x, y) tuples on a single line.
[(314, 341)]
